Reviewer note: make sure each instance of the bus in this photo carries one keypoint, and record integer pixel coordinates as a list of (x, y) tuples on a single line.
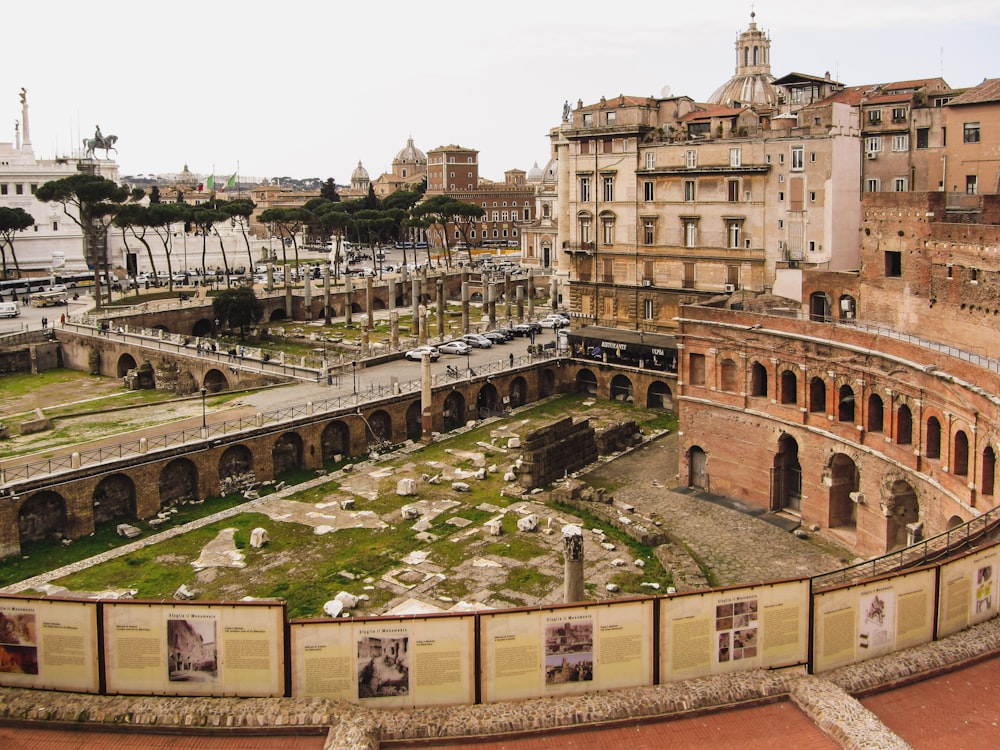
[(49, 299)]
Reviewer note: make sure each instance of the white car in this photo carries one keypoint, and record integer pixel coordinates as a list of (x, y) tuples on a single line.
[(455, 347), (555, 320), (415, 355)]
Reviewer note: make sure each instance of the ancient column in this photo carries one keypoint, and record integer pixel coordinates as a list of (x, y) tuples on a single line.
[(394, 329), (554, 293), (573, 566), (422, 336), (441, 306), (364, 341), (326, 295), (369, 301), (426, 403), (307, 297), (415, 300), (348, 298), (531, 293), (288, 292), (507, 295), (465, 306), (520, 303), (491, 305)]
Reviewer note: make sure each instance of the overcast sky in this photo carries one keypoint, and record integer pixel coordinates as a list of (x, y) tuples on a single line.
[(307, 89)]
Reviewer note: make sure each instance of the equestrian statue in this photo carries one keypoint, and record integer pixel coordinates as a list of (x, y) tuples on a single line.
[(100, 141)]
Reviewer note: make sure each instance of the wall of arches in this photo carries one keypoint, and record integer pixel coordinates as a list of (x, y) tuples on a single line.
[(852, 432)]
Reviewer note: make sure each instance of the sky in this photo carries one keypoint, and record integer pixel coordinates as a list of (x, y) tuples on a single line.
[(309, 89)]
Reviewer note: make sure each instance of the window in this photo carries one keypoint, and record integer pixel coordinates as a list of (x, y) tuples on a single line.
[(812, 157), (496, 216), (469, 175), (588, 120), (608, 231), (781, 196), (875, 116), (3, 189), (609, 189), (689, 190), (812, 196), (732, 190), (515, 216), (451, 159), (898, 114), (781, 223), (900, 185), (647, 309), (690, 232), (873, 145), (647, 190), (923, 137), (584, 189), (893, 263), (970, 132), (55, 226), (584, 147), (504, 216), (733, 229), (971, 184), (798, 158), (34, 188), (609, 118), (781, 178), (781, 158), (648, 232), (650, 160), (691, 158), (901, 143), (735, 157), (696, 369), (872, 185), (584, 230), (606, 145)]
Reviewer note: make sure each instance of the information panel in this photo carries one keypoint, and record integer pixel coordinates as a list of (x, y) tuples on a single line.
[(733, 630), (186, 648), (856, 623), (566, 650), (49, 644), (968, 594), (386, 663)]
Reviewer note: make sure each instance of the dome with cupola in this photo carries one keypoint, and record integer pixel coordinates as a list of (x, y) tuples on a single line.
[(752, 84)]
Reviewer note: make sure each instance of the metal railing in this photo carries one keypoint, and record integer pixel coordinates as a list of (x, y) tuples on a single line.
[(915, 555)]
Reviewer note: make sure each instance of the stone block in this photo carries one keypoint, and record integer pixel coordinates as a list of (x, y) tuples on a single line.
[(347, 503), (494, 527), (461, 487), (333, 608), (128, 531), (409, 512), (528, 523), (259, 537), (184, 593), (406, 487), (350, 601)]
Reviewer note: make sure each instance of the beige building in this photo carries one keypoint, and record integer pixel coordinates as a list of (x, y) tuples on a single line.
[(666, 200)]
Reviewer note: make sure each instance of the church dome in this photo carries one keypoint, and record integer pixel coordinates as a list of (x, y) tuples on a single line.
[(410, 154), (535, 173), (752, 84), (551, 172), (360, 174)]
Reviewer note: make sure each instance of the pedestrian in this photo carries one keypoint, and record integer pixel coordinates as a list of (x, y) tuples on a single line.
[(45, 322), (62, 319), (512, 360)]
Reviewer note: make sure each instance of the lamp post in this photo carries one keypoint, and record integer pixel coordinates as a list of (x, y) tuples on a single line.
[(204, 420), (355, 372)]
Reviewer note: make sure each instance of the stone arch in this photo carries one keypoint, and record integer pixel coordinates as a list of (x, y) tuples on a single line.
[(953, 523), (817, 395), (789, 391), (932, 438), (286, 453), (203, 328), (729, 380), (488, 401), (126, 362), (758, 380), (659, 396), (160, 327), (902, 512), (335, 440), (904, 425), (960, 454), (454, 410), (546, 383), (988, 476), (379, 304), (215, 381), (378, 430), (586, 382), (845, 404), (621, 388), (42, 516), (277, 313), (356, 307), (518, 392), (414, 420), (178, 483), (876, 413), (114, 498), (697, 467), (844, 480), (476, 297), (332, 308), (786, 476), (235, 461)]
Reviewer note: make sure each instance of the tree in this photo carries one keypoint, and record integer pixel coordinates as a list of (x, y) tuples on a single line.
[(241, 210), (12, 221), (161, 218), (336, 223), (154, 195), (238, 308), (90, 202), (288, 222), (136, 218), (328, 190), (205, 220)]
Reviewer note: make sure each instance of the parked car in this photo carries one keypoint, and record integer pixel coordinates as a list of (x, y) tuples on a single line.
[(477, 341), (454, 347), (415, 355), (524, 329), (554, 320), (496, 337)]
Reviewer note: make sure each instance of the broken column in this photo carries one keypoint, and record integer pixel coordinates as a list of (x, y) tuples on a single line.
[(426, 400), (573, 566)]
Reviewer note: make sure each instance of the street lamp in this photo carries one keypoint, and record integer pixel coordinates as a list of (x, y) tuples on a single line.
[(355, 370), (204, 422)]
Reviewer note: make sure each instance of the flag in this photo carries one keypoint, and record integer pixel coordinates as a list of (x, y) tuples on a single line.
[(210, 183), (231, 182)]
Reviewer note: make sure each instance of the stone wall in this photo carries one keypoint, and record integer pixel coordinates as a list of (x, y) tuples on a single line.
[(557, 449)]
